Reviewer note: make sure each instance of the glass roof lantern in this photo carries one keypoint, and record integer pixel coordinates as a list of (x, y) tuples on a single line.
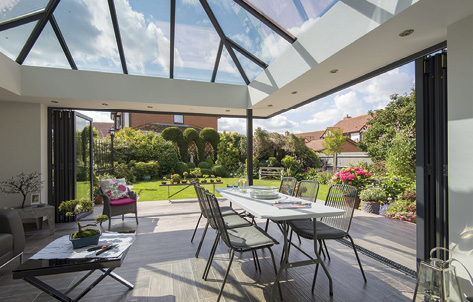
[(226, 41)]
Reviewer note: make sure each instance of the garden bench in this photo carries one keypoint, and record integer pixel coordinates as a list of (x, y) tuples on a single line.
[(270, 172)]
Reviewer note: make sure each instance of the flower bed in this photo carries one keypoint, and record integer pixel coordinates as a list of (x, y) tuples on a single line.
[(403, 209)]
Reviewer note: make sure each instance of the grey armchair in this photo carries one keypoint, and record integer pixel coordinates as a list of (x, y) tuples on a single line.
[(119, 206), (12, 237)]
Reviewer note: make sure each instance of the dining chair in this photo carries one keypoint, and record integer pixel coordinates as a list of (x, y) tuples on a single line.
[(341, 197), (287, 187), (242, 239), (231, 218)]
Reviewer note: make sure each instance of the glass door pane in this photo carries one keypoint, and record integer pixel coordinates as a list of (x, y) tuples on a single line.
[(83, 156)]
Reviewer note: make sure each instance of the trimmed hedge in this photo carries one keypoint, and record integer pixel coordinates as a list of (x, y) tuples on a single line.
[(206, 172), (204, 165), (219, 170), (191, 165), (181, 168)]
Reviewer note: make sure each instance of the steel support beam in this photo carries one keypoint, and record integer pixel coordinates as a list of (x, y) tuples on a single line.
[(249, 145), (247, 54), (222, 36), (37, 31), (217, 61), (116, 29), (173, 38), (258, 14), (62, 42), (22, 20)]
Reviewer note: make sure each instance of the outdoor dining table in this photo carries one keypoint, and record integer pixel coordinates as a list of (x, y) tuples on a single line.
[(265, 209)]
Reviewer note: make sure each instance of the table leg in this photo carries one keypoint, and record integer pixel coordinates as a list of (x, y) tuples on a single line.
[(169, 196), (284, 263), (48, 289), (51, 221), (120, 279)]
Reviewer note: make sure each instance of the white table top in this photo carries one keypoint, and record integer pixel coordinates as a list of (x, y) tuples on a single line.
[(265, 209)]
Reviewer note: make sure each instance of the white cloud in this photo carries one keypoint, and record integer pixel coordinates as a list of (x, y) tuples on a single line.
[(278, 123), (349, 103), (98, 116), (232, 125), (7, 5), (323, 117)]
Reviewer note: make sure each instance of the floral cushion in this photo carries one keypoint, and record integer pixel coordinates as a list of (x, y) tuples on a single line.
[(114, 188)]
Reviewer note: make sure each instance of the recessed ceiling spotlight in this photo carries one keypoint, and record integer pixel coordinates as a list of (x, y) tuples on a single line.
[(406, 33), (269, 105), (104, 104), (150, 106), (293, 92), (334, 70), (55, 102), (227, 110)]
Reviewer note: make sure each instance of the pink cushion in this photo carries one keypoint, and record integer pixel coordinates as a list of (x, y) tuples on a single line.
[(121, 202)]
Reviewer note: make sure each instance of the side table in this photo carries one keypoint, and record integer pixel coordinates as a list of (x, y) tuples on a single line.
[(39, 213)]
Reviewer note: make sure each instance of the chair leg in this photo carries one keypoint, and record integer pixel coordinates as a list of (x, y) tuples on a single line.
[(123, 217), (299, 237), (196, 226), (275, 270), (326, 249), (254, 260), (288, 247), (201, 240), (226, 275), (267, 224), (211, 258), (357, 258), (109, 223), (136, 217), (317, 255)]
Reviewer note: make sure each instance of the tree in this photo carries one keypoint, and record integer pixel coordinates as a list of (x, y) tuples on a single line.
[(333, 143), (22, 184)]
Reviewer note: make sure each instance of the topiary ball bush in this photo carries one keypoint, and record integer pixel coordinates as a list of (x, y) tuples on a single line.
[(190, 165), (181, 167), (219, 171), (204, 165), (206, 172)]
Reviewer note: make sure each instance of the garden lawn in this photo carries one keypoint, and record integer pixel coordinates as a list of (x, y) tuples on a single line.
[(150, 190)]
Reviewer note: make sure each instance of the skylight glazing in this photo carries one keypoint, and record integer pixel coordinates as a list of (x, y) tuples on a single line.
[(11, 9), (294, 15), (257, 31), (87, 28), (145, 31)]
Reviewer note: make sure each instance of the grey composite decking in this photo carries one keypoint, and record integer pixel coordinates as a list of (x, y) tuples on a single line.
[(162, 265)]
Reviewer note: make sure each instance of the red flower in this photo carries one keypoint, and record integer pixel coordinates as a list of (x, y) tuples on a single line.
[(109, 193), (122, 188)]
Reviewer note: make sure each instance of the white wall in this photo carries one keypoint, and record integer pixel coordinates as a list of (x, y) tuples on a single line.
[(23, 131), (460, 144)]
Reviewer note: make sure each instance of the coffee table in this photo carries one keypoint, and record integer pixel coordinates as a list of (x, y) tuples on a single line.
[(31, 269)]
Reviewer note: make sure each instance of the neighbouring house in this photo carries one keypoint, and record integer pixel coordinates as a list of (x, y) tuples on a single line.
[(102, 128), (353, 127), (310, 136)]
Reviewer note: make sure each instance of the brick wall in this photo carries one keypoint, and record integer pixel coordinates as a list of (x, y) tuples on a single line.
[(139, 119)]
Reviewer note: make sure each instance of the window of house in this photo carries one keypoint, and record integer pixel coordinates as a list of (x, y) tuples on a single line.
[(178, 119)]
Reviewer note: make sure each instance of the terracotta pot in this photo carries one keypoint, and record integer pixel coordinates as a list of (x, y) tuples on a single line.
[(98, 200), (349, 200)]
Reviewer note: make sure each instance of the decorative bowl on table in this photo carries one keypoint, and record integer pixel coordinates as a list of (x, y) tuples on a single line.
[(264, 192)]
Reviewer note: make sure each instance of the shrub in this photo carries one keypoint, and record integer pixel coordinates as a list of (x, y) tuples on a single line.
[(190, 165), (196, 173), (204, 165), (181, 168), (263, 163), (206, 171), (319, 176), (143, 169), (291, 165), (355, 176), (123, 170), (273, 162), (255, 167), (373, 194), (209, 161), (404, 208), (219, 170), (394, 186)]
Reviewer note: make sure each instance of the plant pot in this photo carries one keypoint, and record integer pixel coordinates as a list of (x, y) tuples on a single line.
[(98, 200), (184, 181), (203, 181), (163, 182), (348, 200), (370, 206), (81, 242), (211, 180)]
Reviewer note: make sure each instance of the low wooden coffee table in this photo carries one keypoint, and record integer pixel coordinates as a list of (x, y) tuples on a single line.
[(31, 269)]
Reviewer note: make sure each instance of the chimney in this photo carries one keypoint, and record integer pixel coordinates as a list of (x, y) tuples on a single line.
[(287, 133), (345, 117)]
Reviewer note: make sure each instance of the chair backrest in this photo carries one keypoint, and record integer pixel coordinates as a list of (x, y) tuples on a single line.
[(206, 210), (200, 198), (308, 190), (288, 185), (217, 217), (341, 197)]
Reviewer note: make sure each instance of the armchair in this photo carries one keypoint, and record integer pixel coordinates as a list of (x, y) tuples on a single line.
[(115, 207), (12, 237)]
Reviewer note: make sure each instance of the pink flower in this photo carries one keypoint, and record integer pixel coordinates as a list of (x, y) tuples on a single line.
[(308, 168), (122, 188), (349, 182), (380, 138)]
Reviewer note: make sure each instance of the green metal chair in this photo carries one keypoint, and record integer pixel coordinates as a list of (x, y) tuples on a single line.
[(287, 187)]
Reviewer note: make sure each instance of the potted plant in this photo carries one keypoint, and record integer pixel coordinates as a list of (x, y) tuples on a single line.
[(354, 176), (22, 184), (165, 179), (212, 178), (196, 173), (83, 237), (371, 198), (185, 175), (175, 178), (205, 178), (219, 179)]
